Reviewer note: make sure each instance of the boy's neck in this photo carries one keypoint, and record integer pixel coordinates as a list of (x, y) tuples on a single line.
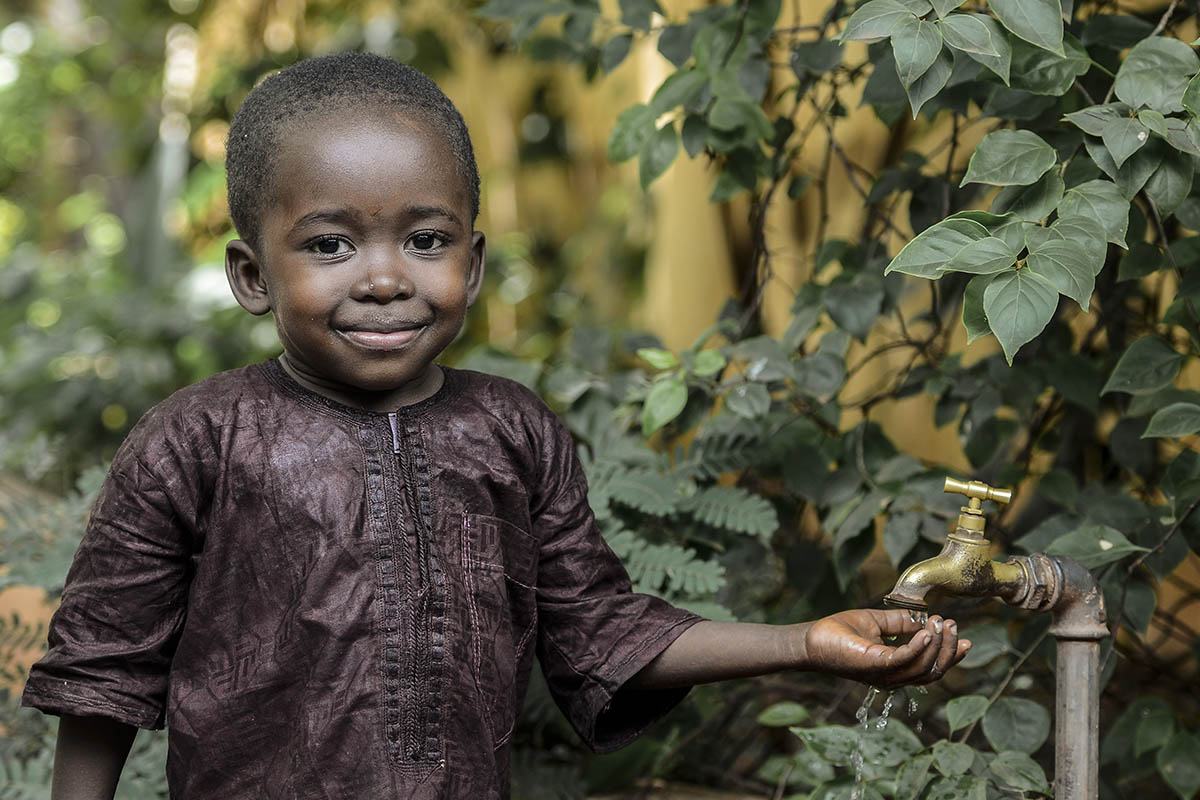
[(367, 400)]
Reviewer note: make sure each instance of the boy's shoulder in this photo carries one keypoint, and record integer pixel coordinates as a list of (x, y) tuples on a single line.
[(222, 390), (505, 401), (208, 402)]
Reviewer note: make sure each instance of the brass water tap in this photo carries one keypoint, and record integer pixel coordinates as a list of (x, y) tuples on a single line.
[(965, 565)]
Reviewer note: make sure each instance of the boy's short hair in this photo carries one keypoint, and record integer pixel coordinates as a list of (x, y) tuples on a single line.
[(321, 85)]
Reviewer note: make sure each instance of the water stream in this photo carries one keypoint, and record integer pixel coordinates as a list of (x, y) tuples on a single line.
[(863, 715)]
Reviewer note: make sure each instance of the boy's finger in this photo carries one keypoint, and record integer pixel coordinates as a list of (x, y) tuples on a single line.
[(948, 653), (906, 654), (925, 664), (895, 621)]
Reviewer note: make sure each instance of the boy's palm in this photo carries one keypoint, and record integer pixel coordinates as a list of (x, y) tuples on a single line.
[(851, 644)]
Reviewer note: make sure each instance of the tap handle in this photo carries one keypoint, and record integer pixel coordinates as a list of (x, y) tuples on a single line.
[(977, 491)]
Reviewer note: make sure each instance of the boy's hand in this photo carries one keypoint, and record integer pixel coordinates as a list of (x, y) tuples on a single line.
[(850, 644)]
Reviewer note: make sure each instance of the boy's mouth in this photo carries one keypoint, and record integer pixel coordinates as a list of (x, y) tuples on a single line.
[(384, 337)]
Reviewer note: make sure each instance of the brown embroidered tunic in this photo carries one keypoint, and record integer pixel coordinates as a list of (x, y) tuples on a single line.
[(324, 602)]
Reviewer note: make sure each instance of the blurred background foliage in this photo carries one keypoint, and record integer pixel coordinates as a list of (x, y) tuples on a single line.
[(113, 218), (772, 449)]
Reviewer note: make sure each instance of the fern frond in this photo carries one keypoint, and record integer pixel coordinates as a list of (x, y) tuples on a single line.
[(712, 456), (27, 779), (644, 490), (671, 569), (734, 509)]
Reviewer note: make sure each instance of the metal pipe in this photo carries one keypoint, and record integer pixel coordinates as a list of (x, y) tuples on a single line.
[(1042, 583), (1079, 625), (1077, 720), (1038, 583)]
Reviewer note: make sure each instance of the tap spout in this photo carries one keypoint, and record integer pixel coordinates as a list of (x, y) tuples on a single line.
[(964, 567)]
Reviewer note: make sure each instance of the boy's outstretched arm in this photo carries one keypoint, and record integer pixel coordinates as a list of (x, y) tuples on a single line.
[(89, 757), (849, 644)]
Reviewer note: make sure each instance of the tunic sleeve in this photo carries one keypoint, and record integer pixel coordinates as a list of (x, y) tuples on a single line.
[(114, 633), (594, 632)]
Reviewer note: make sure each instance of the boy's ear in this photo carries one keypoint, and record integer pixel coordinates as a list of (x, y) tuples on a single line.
[(245, 274), (478, 259)]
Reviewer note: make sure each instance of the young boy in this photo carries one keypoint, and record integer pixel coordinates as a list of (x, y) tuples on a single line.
[(329, 574)]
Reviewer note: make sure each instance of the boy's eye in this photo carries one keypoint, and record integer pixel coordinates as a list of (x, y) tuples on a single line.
[(329, 246), (425, 240)]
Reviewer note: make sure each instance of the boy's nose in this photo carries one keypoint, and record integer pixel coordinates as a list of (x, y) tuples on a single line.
[(384, 282)]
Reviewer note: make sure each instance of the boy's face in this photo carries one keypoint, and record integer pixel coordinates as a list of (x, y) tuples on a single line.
[(366, 256)]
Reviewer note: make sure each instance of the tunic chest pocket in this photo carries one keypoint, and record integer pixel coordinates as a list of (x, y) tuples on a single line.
[(500, 565)]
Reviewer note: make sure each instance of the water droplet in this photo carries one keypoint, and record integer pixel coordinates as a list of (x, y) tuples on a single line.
[(920, 724), (912, 706), (882, 722)]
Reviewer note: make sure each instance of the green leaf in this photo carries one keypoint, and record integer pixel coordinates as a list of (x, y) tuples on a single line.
[(837, 744), (1179, 764), (820, 375), (1038, 22), (708, 362), (944, 7), (1093, 546), (968, 33), (657, 153), (854, 305), (636, 13), (900, 535), (915, 46), (1191, 96), (1010, 158), (1147, 365), (999, 59), (1044, 73), (1123, 137), (675, 41), (634, 127), (1168, 186), (1184, 135), (953, 758), (1156, 73), (1065, 267), (875, 20), (962, 711), (983, 257), (614, 51), (749, 400), (1142, 259), (1018, 305), (816, 58), (783, 714), (665, 401), (883, 92), (1018, 771), (960, 787), (973, 317), (657, 357), (927, 255), (1153, 731), (1155, 122), (677, 90), (1013, 723), (1033, 202), (987, 642), (1101, 201), (912, 777), (1091, 120), (694, 134), (1086, 234), (1177, 419), (924, 88)]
